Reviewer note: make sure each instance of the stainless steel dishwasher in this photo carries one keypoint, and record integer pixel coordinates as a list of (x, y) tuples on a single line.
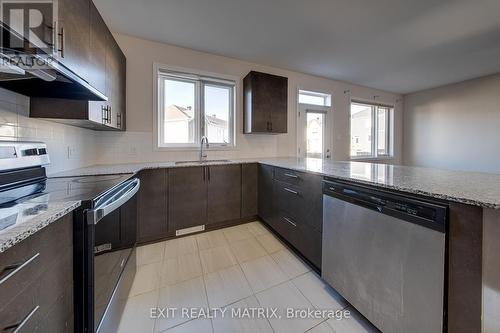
[(385, 254)]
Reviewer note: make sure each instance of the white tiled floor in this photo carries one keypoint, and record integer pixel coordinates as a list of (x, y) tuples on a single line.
[(234, 269)]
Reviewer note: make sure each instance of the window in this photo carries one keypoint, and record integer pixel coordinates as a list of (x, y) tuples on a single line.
[(370, 130), (191, 106), (314, 98)]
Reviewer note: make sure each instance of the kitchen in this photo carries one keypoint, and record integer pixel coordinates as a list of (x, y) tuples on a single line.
[(169, 161)]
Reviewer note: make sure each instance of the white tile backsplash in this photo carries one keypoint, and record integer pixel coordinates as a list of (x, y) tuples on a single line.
[(69, 147)]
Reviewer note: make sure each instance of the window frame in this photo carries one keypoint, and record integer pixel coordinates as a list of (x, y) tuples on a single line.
[(200, 78), (389, 123)]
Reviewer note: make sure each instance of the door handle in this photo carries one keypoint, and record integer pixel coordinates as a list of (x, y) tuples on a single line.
[(289, 221), (208, 171), (17, 327), (291, 191), (291, 175), (16, 268)]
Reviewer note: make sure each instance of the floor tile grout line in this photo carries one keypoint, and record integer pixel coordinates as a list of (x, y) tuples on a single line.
[(208, 301)]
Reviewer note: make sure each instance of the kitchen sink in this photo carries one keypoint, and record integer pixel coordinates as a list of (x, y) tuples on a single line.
[(201, 162)]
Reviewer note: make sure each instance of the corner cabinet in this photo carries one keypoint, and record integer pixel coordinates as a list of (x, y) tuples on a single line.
[(265, 103), (90, 51)]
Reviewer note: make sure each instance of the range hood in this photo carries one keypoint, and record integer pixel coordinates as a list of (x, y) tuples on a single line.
[(36, 73)]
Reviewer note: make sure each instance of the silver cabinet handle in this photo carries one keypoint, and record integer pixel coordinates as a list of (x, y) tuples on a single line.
[(17, 327), (291, 175), (289, 221), (16, 268), (291, 191)]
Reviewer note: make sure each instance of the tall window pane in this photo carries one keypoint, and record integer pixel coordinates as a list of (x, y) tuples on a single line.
[(217, 103), (315, 134), (361, 130), (179, 111), (382, 121)]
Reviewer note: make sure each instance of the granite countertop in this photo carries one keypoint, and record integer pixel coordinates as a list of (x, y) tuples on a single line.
[(30, 215), (479, 189)]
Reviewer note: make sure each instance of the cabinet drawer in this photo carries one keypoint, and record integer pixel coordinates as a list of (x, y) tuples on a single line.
[(24, 263), (289, 198), (289, 176), (287, 227)]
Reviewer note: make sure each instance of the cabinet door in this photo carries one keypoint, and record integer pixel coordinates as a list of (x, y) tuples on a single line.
[(73, 23), (278, 87), (98, 46), (116, 83), (97, 71), (265, 196), (265, 103), (187, 193), (224, 193), (249, 189), (152, 214)]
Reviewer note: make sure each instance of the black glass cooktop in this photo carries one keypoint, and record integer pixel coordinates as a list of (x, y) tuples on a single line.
[(82, 188)]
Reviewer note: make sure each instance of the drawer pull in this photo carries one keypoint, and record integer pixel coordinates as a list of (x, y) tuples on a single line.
[(17, 327), (289, 221), (15, 268), (291, 175), (291, 191)]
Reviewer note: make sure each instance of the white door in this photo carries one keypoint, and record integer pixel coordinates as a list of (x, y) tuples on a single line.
[(314, 131)]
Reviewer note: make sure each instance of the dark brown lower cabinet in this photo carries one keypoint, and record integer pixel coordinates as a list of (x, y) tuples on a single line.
[(265, 196), (152, 205), (292, 204), (187, 192), (224, 193), (249, 189), (40, 295)]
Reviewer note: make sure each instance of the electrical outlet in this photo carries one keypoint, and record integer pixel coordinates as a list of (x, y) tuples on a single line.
[(71, 152)]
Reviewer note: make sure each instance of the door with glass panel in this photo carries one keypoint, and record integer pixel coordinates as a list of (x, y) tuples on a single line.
[(314, 126)]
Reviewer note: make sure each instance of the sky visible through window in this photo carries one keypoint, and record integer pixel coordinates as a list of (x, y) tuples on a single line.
[(182, 94)]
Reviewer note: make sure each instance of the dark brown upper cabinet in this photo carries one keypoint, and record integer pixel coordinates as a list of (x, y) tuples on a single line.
[(90, 50), (73, 34), (265, 103)]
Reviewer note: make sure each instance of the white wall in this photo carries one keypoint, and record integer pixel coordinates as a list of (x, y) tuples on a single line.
[(454, 127), (137, 143), (15, 125)]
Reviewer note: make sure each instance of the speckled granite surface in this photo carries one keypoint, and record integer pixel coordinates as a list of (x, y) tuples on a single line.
[(29, 216), (480, 189), (116, 169)]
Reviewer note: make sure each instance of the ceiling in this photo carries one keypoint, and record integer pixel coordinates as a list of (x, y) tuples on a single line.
[(395, 45)]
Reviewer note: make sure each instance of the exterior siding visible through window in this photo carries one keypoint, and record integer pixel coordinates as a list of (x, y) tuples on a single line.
[(191, 106), (371, 130)]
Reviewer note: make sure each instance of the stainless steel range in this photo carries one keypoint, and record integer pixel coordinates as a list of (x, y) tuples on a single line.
[(104, 228)]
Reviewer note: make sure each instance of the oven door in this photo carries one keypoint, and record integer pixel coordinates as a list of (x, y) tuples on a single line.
[(111, 235)]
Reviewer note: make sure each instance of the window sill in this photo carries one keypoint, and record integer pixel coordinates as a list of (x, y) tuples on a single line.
[(197, 148), (369, 159)]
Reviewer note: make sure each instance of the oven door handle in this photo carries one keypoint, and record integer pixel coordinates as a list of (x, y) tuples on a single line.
[(129, 190)]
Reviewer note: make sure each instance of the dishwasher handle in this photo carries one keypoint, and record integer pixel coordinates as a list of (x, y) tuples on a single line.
[(416, 210)]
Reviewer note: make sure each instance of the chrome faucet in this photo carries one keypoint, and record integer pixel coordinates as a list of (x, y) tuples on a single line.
[(204, 140)]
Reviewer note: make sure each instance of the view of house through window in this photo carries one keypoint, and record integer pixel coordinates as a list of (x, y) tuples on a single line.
[(370, 130), (191, 107), (315, 134)]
